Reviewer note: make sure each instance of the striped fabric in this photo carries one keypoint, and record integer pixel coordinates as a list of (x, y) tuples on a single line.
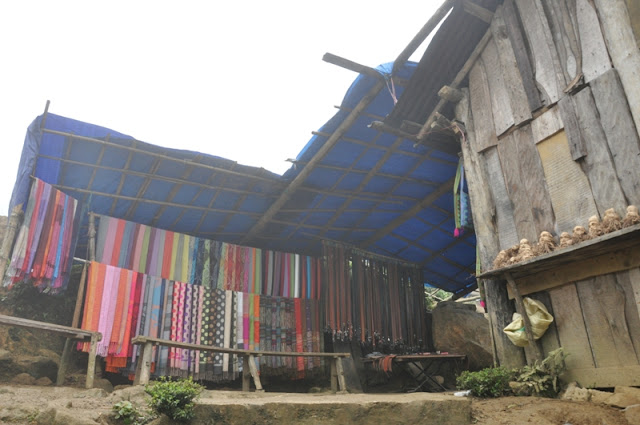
[(43, 251), (184, 258)]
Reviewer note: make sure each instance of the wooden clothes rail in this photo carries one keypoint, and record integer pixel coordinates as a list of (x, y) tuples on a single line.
[(66, 331), (249, 370)]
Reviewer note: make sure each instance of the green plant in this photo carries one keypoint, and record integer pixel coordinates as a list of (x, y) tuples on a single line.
[(129, 414), (174, 398), (541, 379), (490, 382)]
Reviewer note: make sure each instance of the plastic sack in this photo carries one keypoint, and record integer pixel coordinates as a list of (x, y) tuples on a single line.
[(540, 321)]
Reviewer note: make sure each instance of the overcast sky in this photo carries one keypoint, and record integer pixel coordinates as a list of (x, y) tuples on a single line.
[(240, 80)]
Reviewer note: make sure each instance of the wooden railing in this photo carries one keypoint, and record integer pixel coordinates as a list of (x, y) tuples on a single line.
[(68, 332), (249, 370)]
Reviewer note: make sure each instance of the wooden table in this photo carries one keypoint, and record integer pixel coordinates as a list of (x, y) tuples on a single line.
[(428, 365)]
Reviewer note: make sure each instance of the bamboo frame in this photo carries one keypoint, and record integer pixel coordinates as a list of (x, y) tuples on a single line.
[(155, 155)]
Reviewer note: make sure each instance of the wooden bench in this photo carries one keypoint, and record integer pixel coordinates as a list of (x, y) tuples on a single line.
[(249, 370), (68, 332)]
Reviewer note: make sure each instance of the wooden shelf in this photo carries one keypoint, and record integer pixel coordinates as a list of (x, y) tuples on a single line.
[(615, 251)]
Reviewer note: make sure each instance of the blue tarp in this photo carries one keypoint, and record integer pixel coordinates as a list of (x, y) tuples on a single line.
[(367, 181)]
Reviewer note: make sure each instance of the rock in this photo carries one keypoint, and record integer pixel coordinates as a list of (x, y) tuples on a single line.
[(627, 390), (599, 397), (622, 400), (46, 417), (132, 393), (93, 392), (38, 366), (5, 356), (458, 328), (23, 379), (44, 382), (103, 384), (575, 393), (632, 414)]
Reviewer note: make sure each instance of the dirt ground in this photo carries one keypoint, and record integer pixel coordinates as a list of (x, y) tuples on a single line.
[(543, 411), (75, 406)]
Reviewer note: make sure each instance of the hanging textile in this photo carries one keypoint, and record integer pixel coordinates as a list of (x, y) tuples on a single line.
[(378, 302), (122, 303), (460, 203), (184, 258), (43, 251)]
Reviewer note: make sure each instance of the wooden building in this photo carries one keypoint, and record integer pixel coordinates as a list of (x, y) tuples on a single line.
[(547, 93)]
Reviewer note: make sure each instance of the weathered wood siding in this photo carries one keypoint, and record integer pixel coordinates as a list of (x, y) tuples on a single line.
[(552, 112)]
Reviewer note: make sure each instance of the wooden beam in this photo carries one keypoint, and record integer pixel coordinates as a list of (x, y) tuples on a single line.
[(450, 148), (351, 65), (422, 35), (450, 94), (432, 197), (478, 11), (455, 83), (297, 182)]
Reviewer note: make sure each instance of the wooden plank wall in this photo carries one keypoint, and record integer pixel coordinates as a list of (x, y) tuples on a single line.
[(552, 139)]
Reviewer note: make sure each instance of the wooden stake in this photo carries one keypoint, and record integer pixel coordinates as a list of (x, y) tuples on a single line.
[(527, 323)]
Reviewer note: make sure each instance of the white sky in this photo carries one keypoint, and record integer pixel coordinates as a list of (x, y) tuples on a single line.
[(240, 80)]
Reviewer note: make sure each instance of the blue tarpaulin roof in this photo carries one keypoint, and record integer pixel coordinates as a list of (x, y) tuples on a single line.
[(373, 190)]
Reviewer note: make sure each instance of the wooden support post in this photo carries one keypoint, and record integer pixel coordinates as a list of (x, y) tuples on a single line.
[(334, 374), (92, 237), (246, 374), (527, 323), (254, 373), (75, 323), (64, 361), (91, 364), (342, 384), (9, 236), (145, 359)]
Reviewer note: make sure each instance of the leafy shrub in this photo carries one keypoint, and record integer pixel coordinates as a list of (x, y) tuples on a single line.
[(129, 414), (490, 382), (174, 398), (541, 379)]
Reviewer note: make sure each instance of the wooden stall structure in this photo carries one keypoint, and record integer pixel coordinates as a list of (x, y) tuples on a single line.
[(547, 111)]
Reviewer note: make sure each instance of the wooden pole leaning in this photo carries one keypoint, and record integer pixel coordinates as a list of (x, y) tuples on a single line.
[(525, 317), (75, 323)]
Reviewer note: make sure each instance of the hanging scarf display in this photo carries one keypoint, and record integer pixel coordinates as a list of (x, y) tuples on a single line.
[(43, 250), (184, 258), (379, 302), (121, 303)]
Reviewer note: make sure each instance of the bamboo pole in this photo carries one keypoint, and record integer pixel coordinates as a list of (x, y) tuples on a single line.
[(9, 237), (306, 171)]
